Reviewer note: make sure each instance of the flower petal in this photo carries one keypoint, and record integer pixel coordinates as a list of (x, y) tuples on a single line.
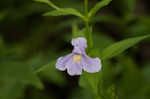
[(73, 68), (61, 62), (79, 42), (91, 65), (78, 50)]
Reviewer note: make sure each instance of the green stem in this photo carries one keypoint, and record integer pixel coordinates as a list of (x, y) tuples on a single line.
[(89, 32), (86, 7)]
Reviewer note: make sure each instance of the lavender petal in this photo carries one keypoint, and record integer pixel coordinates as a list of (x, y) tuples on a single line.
[(91, 65), (73, 68), (79, 42), (61, 62)]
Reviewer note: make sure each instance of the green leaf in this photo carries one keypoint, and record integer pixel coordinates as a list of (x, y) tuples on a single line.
[(98, 6), (64, 11), (121, 46), (48, 2)]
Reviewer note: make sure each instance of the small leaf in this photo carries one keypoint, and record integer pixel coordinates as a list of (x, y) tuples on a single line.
[(121, 46), (98, 6), (48, 2), (64, 11)]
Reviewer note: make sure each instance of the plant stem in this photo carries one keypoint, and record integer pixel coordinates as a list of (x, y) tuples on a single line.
[(89, 32), (86, 7)]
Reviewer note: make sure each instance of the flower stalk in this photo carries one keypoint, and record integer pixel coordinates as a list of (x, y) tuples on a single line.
[(88, 29)]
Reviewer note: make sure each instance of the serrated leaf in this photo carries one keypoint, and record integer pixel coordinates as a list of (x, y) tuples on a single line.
[(64, 11), (98, 6), (119, 47)]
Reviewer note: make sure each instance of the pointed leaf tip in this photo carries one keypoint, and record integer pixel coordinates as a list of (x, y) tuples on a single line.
[(119, 47)]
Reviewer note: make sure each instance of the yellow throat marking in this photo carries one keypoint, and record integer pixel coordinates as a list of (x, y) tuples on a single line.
[(77, 58)]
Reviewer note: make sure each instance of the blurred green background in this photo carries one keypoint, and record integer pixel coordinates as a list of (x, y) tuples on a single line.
[(29, 40)]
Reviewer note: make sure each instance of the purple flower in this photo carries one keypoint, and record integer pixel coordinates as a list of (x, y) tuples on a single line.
[(78, 60)]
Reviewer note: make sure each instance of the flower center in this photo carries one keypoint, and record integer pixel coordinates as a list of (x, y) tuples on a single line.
[(77, 58)]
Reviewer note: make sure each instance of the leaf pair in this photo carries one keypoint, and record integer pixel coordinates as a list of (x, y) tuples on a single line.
[(70, 11), (60, 11), (64, 11)]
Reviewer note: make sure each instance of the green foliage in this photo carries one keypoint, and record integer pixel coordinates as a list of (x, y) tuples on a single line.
[(98, 6), (121, 46), (60, 11), (48, 2), (15, 76), (50, 73), (98, 83), (64, 11), (11, 89), (90, 81)]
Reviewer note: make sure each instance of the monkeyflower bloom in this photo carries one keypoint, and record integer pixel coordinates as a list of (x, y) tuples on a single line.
[(78, 60)]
